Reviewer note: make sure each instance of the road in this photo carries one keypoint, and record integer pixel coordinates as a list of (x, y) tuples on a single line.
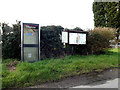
[(109, 84)]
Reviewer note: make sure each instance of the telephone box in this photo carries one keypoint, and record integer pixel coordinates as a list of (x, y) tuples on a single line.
[(30, 42)]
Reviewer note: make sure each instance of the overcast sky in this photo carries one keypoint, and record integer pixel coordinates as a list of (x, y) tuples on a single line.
[(67, 13)]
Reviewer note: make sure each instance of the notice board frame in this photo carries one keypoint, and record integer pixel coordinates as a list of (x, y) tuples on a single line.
[(76, 31)]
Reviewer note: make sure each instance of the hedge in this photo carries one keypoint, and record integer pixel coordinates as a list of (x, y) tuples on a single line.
[(51, 45)]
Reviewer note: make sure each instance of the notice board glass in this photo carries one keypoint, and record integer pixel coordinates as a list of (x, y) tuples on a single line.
[(77, 38)]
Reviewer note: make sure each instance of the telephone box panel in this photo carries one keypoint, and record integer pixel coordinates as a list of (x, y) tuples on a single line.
[(31, 54), (30, 42), (30, 34)]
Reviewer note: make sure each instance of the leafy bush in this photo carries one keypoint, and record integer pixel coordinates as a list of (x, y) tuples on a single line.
[(5, 72), (99, 39), (11, 40), (51, 45)]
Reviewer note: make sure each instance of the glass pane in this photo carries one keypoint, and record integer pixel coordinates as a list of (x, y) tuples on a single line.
[(30, 53), (77, 38), (30, 34)]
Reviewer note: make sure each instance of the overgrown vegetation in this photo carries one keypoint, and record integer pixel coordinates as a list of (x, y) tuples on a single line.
[(51, 44), (51, 69), (11, 39), (99, 39), (28, 74), (107, 14)]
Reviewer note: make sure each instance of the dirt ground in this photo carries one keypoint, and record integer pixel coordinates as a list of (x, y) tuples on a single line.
[(11, 66)]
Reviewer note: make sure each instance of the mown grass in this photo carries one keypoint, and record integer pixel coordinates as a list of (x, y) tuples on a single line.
[(28, 74)]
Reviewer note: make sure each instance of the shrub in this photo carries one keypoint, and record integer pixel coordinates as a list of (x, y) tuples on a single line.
[(50, 41), (99, 39), (51, 44), (11, 40)]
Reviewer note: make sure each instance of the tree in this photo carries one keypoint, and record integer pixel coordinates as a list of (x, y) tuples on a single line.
[(99, 14), (106, 14), (111, 14), (78, 29)]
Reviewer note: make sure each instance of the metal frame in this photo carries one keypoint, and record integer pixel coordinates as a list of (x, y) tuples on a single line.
[(67, 37), (73, 31), (29, 45)]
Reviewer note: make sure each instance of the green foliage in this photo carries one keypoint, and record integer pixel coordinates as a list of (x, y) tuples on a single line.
[(5, 72), (56, 69), (11, 40), (78, 29), (112, 14), (51, 44), (106, 14), (99, 14), (99, 39), (50, 41), (8, 60)]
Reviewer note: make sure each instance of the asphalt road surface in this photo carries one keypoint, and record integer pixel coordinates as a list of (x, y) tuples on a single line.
[(109, 84)]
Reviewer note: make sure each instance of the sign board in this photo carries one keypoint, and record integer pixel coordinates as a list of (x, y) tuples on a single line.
[(74, 37), (77, 38), (30, 39), (64, 37)]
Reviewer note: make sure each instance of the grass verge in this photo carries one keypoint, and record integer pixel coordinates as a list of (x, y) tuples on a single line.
[(27, 74)]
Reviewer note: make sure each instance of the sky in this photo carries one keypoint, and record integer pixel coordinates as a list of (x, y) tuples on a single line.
[(67, 13)]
